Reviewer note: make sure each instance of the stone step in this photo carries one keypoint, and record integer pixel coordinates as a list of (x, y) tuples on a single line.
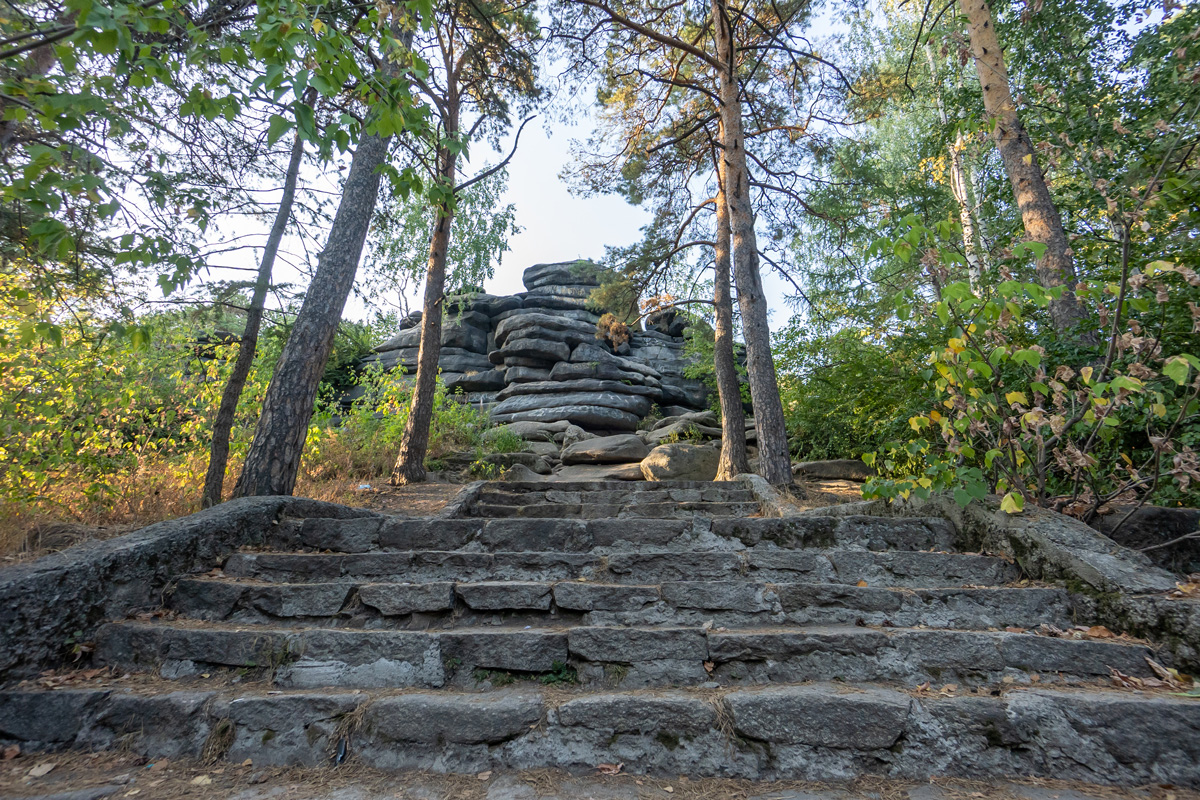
[(630, 657), (821, 731), (665, 510), (580, 535), (501, 497), (721, 603), (624, 487), (834, 565)]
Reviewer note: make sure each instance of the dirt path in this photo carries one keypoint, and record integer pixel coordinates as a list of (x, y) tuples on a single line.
[(84, 776)]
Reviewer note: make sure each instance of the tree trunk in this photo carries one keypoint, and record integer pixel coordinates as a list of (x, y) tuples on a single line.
[(733, 418), (959, 187), (773, 455), (414, 444), (1039, 215), (214, 480), (274, 457), (961, 190)]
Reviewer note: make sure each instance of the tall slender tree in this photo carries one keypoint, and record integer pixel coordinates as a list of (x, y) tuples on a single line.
[(214, 478), (484, 62), (274, 457)]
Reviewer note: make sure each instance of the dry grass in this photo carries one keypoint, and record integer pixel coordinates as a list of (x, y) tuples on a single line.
[(166, 490)]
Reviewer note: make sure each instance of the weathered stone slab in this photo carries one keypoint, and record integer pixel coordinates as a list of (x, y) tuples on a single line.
[(460, 718), (508, 595), (599, 472), (669, 713), (579, 596), (820, 716), (342, 536), (397, 599), (515, 650), (637, 644), (620, 449), (598, 417)]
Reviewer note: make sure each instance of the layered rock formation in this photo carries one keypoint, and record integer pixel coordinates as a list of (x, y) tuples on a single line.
[(534, 357)]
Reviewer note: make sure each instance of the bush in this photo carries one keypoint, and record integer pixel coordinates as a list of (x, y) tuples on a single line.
[(1051, 424)]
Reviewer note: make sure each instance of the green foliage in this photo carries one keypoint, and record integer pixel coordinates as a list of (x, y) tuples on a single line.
[(1029, 421), (363, 441), (399, 243), (128, 127)]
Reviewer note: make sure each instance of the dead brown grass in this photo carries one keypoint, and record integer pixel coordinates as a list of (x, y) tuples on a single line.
[(162, 490)]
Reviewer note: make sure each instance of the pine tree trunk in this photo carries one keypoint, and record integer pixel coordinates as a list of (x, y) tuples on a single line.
[(733, 418), (274, 457), (1039, 214), (214, 480), (773, 455), (414, 444)]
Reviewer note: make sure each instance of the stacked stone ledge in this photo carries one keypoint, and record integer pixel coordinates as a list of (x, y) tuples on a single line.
[(534, 361)]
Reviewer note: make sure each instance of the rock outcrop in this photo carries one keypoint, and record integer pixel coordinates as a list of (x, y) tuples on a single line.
[(534, 357)]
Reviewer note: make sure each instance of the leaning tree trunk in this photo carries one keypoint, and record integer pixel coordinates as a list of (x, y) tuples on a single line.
[(773, 455), (733, 418), (414, 444), (1039, 214), (214, 480), (274, 457)]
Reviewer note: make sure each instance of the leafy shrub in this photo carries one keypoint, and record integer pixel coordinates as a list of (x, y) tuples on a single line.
[(1014, 417)]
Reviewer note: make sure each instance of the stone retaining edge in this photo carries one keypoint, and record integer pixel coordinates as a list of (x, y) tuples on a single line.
[(53, 604)]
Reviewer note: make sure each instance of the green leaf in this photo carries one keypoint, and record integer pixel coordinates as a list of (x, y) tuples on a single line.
[(278, 126), (1176, 368), (1030, 358)]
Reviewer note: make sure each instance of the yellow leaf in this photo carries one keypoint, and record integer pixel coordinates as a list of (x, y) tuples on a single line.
[(935, 415), (1012, 503), (1159, 409), (1028, 159), (318, 27), (1086, 374), (862, 583), (1016, 397)]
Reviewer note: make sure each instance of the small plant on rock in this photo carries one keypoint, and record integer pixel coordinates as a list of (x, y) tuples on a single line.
[(611, 330)]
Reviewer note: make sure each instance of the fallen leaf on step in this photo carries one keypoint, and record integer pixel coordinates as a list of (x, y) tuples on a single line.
[(483, 776), (42, 769), (1100, 632), (11, 752), (610, 769), (1171, 677), (201, 780), (1183, 590), (949, 689), (862, 583), (247, 763), (669, 789), (1014, 629), (709, 667), (133, 792)]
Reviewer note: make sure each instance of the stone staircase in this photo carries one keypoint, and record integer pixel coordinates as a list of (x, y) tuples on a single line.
[(662, 626)]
